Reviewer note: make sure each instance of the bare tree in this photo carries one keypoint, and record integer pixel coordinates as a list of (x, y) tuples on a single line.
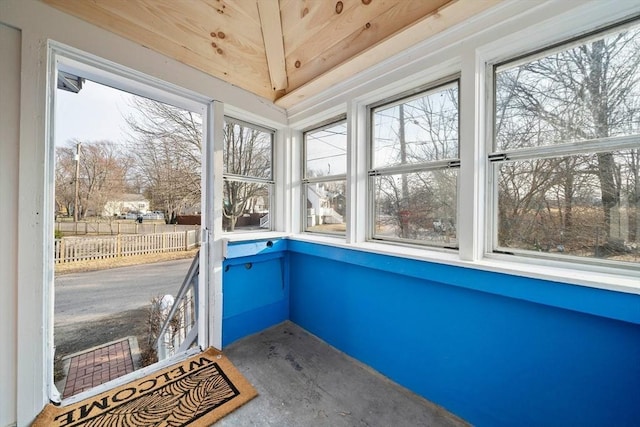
[(633, 193), (247, 154), (582, 93), (64, 180), (101, 176), (166, 144), (423, 130)]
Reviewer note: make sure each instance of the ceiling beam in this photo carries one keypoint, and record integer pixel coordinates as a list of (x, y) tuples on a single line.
[(447, 16), (269, 11)]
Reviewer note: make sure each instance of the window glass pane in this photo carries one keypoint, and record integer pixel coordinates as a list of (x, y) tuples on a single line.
[(563, 205), (246, 206), (247, 151), (326, 207), (326, 151), (419, 206), (586, 92), (418, 130)]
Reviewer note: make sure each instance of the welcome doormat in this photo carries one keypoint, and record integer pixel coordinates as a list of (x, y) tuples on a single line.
[(195, 392)]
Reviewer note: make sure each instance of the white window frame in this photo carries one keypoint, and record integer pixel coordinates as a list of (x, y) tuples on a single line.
[(494, 157), (306, 180), (64, 58), (269, 182), (470, 50), (424, 166)]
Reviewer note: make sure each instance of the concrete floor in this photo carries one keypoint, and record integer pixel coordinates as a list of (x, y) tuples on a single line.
[(302, 381)]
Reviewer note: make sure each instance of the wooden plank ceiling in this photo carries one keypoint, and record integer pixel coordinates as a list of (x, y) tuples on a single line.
[(282, 50)]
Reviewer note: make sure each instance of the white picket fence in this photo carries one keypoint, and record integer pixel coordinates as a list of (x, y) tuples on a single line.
[(70, 249), (116, 227)]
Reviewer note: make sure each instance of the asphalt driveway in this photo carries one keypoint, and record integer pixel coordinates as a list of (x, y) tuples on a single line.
[(89, 296)]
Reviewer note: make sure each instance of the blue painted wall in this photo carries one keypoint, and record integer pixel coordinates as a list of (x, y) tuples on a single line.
[(255, 288), (488, 347), (495, 349)]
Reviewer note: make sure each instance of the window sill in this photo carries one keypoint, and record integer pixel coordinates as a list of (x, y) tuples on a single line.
[(252, 235), (557, 271)]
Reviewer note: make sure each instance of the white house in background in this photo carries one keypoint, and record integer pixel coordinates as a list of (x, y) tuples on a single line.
[(320, 208), (128, 202)]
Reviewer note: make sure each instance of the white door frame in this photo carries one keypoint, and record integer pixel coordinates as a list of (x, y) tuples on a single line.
[(71, 60)]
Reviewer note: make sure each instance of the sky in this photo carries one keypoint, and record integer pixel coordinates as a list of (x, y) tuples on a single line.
[(93, 114)]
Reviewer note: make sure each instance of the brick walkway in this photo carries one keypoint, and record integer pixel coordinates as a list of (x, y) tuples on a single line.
[(97, 366)]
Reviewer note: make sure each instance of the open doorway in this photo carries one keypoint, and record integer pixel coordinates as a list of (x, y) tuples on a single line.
[(128, 226)]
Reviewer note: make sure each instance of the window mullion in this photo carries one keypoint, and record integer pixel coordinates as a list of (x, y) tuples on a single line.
[(324, 178), (242, 178), (422, 167), (598, 145)]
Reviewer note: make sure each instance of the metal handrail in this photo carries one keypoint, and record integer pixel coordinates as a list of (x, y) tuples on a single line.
[(189, 338), (264, 221)]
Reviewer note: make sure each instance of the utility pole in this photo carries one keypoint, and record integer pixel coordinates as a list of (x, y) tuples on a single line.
[(77, 182)]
